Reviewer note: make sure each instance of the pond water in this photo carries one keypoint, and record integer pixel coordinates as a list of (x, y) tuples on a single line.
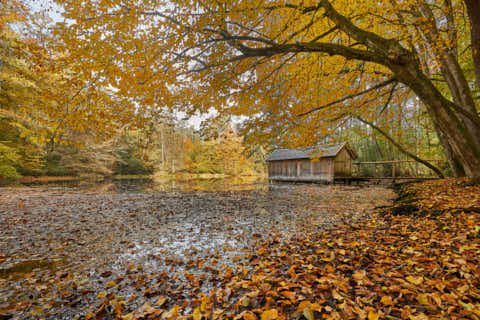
[(82, 236), (154, 185)]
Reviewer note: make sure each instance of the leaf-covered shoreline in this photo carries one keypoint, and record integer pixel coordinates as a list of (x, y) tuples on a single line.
[(365, 263), (89, 234)]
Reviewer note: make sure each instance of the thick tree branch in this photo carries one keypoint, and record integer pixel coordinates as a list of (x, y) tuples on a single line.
[(299, 47), (451, 28), (388, 48), (351, 96)]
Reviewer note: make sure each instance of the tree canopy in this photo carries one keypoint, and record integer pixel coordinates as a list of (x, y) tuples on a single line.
[(296, 68)]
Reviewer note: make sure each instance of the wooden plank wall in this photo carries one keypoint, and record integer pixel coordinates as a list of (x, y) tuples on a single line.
[(305, 168), (287, 168), (343, 164), (301, 170), (323, 167)]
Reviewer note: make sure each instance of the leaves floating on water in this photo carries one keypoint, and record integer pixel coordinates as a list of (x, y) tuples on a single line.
[(347, 262)]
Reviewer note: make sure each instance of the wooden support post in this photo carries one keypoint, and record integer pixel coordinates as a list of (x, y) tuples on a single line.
[(393, 171)]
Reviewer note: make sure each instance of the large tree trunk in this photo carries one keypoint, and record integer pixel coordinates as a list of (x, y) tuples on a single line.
[(473, 8), (452, 71), (459, 136), (452, 159), (462, 96), (457, 122)]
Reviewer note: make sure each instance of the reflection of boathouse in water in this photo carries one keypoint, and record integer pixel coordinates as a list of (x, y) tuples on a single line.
[(321, 163)]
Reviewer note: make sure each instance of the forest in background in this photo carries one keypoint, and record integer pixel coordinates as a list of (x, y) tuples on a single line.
[(54, 122), (409, 127), (168, 147), (163, 148), (295, 69)]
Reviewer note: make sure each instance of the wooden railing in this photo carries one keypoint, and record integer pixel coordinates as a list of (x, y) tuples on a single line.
[(395, 169)]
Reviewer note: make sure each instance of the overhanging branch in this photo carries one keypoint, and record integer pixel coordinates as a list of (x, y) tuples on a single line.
[(351, 96), (400, 148), (390, 96), (304, 47)]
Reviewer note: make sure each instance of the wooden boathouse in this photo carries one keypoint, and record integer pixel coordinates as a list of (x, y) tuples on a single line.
[(317, 164)]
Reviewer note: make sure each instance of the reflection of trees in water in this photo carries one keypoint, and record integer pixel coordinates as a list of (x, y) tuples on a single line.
[(224, 184), (158, 185)]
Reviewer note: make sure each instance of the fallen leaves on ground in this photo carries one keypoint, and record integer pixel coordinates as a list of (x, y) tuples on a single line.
[(446, 194), (390, 267), (66, 253), (381, 266)]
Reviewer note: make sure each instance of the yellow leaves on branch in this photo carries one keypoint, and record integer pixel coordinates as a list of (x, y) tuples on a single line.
[(162, 45), (45, 84), (194, 55)]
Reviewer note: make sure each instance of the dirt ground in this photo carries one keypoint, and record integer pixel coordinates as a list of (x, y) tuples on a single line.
[(59, 250)]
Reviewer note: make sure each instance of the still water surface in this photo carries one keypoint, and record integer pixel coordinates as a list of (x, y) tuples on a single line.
[(153, 185)]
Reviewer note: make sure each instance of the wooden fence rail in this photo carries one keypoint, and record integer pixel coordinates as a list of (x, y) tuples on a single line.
[(394, 164)]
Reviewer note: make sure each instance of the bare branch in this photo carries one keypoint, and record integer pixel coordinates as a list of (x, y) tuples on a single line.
[(389, 99), (400, 148), (351, 96)]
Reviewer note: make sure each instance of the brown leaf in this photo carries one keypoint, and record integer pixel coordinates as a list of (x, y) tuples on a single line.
[(308, 313), (373, 315), (106, 274), (161, 301), (359, 275), (386, 300), (415, 280), (303, 305), (269, 314), (89, 316), (289, 295), (249, 315), (291, 272)]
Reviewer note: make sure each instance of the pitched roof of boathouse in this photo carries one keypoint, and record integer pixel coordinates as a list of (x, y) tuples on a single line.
[(320, 151)]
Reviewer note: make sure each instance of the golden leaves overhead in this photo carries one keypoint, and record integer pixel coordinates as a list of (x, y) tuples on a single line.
[(195, 55), (41, 82)]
